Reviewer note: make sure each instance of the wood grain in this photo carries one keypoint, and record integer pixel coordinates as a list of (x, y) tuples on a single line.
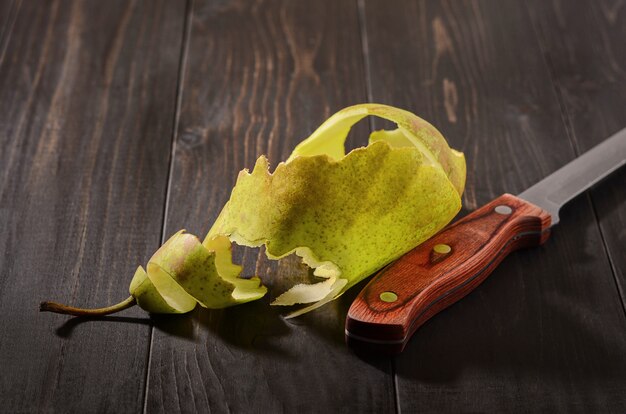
[(259, 78), (8, 12), (91, 95), (584, 45), (87, 93), (425, 281), (546, 331)]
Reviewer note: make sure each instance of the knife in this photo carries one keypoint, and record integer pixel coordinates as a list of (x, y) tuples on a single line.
[(445, 268)]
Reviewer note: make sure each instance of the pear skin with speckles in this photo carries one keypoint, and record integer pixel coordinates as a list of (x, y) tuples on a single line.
[(346, 216)]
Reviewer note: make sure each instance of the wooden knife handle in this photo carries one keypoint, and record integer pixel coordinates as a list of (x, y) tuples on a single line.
[(439, 272)]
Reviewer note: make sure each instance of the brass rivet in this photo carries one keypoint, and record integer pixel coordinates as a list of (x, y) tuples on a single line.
[(504, 210), (442, 249), (388, 297)]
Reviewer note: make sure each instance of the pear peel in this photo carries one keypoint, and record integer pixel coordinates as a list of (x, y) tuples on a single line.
[(353, 216), (346, 216)]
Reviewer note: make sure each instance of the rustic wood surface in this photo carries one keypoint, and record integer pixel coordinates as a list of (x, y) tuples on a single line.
[(545, 332), (246, 93), (87, 95), (587, 62), (122, 122)]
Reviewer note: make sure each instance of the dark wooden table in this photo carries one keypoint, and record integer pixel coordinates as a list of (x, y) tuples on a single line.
[(122, 122)]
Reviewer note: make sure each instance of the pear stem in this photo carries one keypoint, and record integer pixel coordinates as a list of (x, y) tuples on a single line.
[(70, 310)]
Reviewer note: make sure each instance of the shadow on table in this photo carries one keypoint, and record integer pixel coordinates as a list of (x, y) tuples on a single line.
[(261, 329), (445, 347), (66, 330), (257, 327), (553, 337), (432, 359)]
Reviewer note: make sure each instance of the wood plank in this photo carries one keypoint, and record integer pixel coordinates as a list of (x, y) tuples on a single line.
[(8, 12), (546, 331), (584, 44), (87, 97), (257, 80)]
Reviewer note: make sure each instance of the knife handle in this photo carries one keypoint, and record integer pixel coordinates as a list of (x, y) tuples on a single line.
[(441, 271)]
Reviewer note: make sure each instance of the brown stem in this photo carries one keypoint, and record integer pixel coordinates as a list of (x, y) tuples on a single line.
[(69, 310)]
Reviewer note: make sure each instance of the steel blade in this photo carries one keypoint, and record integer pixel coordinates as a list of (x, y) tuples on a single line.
[(561, 186)]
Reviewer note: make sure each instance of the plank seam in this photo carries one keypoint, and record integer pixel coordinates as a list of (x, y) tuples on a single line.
[(365, 52), (571, 135), (179, 91), (369, 96)]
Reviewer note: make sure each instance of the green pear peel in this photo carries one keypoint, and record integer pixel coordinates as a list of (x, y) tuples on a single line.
[(346, 216)]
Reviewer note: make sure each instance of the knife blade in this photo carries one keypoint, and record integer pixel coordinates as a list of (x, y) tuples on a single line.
[(447, 267)]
